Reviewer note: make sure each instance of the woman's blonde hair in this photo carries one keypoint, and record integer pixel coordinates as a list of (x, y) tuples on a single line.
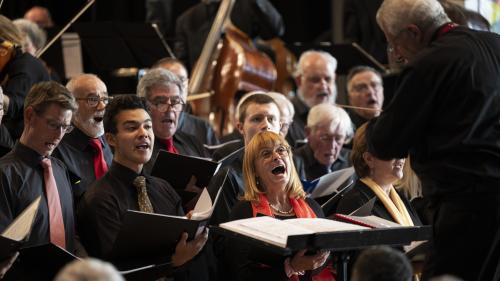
[(262, 140), (410, 183), (359, 147)]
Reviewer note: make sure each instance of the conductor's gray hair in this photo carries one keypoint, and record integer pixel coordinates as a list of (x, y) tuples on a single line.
[(395, 15), (333, 114), (303, 59), (157, 77), (89, 270)]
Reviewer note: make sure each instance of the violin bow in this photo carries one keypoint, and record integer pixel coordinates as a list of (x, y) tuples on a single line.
[(85, 8), (358, 107), (163, 41)]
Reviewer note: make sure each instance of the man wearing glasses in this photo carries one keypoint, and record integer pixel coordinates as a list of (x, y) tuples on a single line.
[(328, 127), (162, 90), (315, 79), (364, 89), (29, 170), (85, 151)]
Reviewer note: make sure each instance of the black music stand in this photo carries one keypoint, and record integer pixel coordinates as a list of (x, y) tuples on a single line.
[(110, 46)]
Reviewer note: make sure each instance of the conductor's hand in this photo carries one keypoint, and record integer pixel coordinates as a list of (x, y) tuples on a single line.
[(185, 251), (301, 262), (6, 264)]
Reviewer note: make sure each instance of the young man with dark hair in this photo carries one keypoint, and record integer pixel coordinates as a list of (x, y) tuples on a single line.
[(129, 130)]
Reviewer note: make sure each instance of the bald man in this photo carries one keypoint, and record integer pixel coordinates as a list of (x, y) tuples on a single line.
[(85, 151)]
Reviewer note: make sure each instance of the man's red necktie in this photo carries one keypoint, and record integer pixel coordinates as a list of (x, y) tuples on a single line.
[(169, 143), (100, 166)]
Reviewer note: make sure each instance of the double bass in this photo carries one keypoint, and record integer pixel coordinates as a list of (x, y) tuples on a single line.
[(229, 68)]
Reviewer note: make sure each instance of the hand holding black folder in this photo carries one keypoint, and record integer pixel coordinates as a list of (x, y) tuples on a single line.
[(159, 234), (178, 169)]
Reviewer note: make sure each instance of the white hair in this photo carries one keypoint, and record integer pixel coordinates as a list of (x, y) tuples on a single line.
[(333, 114), (282, 101), (157, 77), (37, 35), (72, 84), (303, 58), (89, 270), (394, 15)]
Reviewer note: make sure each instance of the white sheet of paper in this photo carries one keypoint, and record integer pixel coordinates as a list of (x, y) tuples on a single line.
[(329, 183)]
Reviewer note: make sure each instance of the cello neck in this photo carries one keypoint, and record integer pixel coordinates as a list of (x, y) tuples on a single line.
[(206, 56)]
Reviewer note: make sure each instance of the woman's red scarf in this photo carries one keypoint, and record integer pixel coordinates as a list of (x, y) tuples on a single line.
[(301, 210)]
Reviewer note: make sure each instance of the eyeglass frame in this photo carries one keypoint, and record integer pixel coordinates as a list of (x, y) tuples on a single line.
[(96, 99), (364, 87), (54, 125), (163, 106), (283, 153)]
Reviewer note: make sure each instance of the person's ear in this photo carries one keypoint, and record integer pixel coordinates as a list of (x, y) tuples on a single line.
[(415, 32), (298, 81), (368, 158), (29, 114), (111, 139), (308, 131), (239, 126)]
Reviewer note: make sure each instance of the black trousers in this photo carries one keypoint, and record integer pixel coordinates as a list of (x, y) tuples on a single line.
[(465, 227)]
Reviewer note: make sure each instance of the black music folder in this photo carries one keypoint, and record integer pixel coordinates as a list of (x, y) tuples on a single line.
[(156, 235), (43, 262), (14, 236), (177, 169), (348, 55)]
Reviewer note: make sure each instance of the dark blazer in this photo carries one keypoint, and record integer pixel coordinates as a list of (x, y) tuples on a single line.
[(197, 127), (313, 169)]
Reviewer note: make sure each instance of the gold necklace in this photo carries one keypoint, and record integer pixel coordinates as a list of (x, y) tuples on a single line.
[(279, 211)]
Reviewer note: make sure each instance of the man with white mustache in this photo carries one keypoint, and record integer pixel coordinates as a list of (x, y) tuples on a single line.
[(315, 79), (85, 150)]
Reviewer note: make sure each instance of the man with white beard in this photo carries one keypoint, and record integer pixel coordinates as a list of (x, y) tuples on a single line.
[(85, 151)]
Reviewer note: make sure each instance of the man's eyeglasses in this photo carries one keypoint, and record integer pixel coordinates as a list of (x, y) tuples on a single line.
[(93, 101), (56, 126), (163, 103), (281, 150), (364, 87), (331, 139)]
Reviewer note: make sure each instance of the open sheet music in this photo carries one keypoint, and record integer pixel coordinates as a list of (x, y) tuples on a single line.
[(293, 233)]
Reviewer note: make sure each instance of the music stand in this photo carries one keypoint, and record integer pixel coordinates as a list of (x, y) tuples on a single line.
[(143, 42), (108, 47)]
